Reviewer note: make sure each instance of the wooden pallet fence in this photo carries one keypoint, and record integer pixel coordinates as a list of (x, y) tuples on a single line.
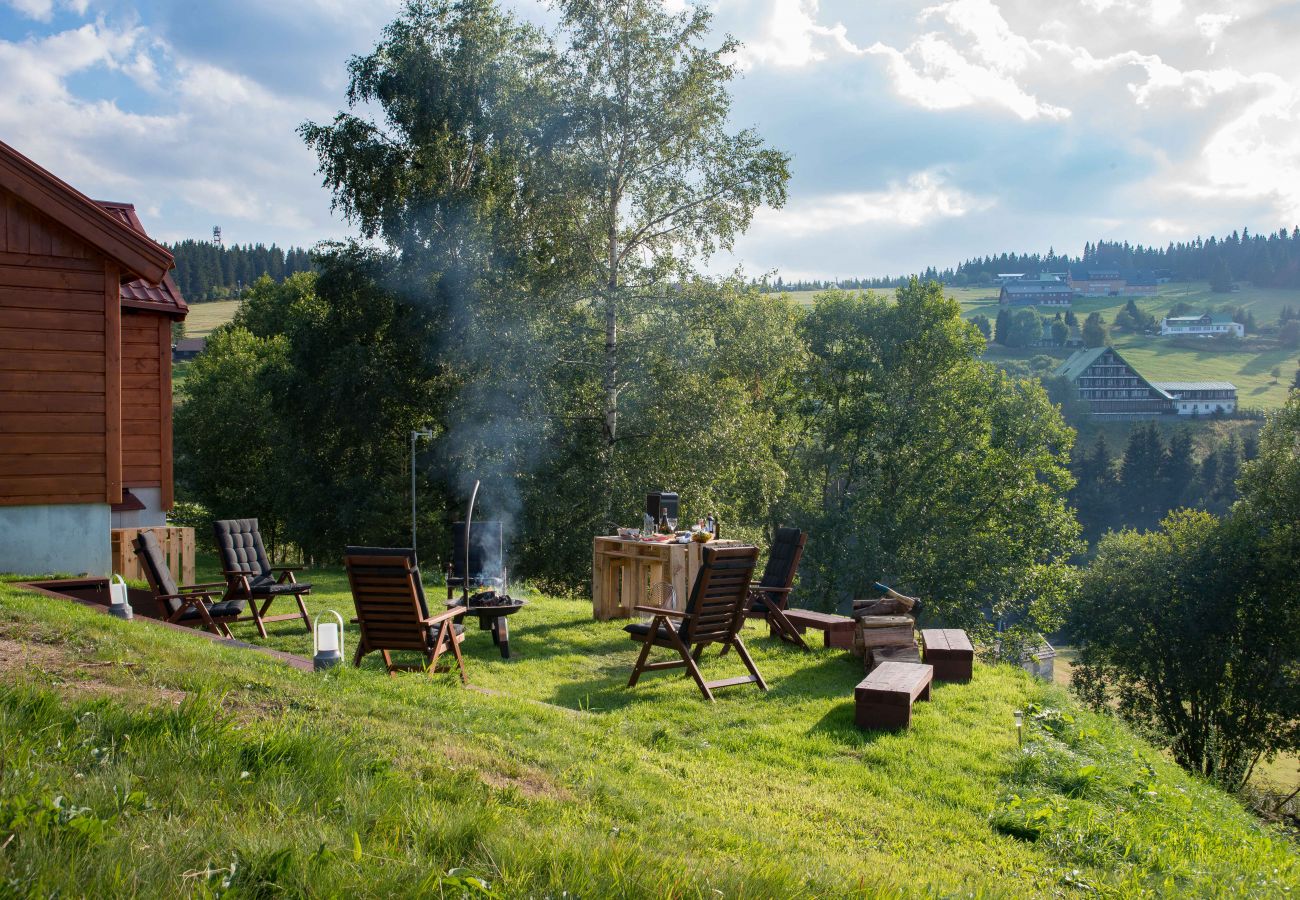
[(177, 546)]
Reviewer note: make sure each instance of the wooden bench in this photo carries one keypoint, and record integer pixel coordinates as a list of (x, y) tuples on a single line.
[(949, 650), (884, 698), (837, 631)]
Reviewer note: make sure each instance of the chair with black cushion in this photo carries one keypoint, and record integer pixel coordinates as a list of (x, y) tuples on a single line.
[(486, 562), (393, 613), (769, 597), (194, 605), (250, 576), (713, 614)]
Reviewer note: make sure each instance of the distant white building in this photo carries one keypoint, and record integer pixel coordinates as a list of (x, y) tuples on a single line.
[(1201, 326), (1200, 398)]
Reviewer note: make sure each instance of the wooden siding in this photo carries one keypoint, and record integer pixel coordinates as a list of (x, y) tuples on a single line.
[(59, 370), (146, 401)]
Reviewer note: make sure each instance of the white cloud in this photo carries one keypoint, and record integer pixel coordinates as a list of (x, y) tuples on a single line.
[(935, 74), (792, 37), (924, 198), (1212, 26)]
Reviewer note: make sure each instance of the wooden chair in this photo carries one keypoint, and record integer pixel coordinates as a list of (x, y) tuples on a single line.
[(713, 614), (194, 605), (769, 597), (393, 613), (250, 575)]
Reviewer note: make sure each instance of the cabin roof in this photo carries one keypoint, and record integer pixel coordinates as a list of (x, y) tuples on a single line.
[(138, 256), (162, 297), (1168, 386)]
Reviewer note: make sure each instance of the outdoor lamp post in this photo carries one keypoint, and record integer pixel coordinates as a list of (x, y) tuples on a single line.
[(328, 638), (427, 434), (1020, 728)]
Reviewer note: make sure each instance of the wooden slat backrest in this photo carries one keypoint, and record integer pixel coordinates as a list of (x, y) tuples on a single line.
[(386, 593), (717, 600)]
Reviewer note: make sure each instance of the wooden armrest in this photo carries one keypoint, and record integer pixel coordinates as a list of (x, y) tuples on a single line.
[(755, 586), (287, 568), (237, 573), (658, 611), (186, 588), (444, 616), (188, 595)]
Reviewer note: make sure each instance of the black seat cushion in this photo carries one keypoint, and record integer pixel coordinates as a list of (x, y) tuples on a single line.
[(640, 630), (780, 563), (239, 542), (217, 610), (265, 586)]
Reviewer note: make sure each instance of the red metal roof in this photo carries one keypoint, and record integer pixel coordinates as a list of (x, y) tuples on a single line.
[(139, 294)]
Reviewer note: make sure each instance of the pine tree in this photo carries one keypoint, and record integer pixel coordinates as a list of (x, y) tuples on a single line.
[(1002, 326), (1220, 277), (1178, 471)]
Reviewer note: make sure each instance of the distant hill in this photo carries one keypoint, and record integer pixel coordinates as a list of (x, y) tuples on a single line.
[(206, 271), (1271, 260)]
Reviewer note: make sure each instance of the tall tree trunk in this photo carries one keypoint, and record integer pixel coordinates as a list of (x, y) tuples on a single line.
[(610, 424)]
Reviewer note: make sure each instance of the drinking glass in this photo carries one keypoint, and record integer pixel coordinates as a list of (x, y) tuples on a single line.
[(672, 523)]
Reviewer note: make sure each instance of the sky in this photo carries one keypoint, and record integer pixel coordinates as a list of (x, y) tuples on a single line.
[(920, 134)]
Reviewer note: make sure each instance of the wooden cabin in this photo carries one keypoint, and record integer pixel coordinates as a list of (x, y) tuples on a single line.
[(86, 309)]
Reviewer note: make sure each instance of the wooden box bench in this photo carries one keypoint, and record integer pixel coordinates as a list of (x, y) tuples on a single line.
[(884, 698), (837, 631), (949, 650)]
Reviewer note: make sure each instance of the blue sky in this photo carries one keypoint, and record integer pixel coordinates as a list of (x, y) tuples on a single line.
[(920, 133)]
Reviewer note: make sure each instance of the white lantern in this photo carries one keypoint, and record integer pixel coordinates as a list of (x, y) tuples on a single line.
[(119, 604), (328, 640)]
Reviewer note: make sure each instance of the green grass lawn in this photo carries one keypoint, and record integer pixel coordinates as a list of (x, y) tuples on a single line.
[(138, 761)]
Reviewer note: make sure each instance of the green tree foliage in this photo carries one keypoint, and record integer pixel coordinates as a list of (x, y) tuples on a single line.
[(299, 411), (1220, 277), (1131, 318), (229, 447), (1094, 331), (1193, 631), (930, 468), (1026, 328), (206, 271), (654, 179), (1060, 332), (1002, 327), (1289, 334), (982, 323)]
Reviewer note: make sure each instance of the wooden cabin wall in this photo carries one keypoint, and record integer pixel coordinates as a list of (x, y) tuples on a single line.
[(146, 401), (60, 402)]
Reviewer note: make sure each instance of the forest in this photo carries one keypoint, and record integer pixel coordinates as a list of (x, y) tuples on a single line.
[(208, 271)]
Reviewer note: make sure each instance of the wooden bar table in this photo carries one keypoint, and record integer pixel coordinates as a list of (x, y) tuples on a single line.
[(622, 571)]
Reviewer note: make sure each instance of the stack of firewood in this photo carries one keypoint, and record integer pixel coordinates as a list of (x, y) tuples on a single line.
[(886, 629)]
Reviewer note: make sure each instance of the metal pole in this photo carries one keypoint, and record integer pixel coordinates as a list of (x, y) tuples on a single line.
[(413, 552), (469, 518)]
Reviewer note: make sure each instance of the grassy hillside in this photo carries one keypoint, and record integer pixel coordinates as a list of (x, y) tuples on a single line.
[(1249, 368), (140, 761), (203, 318)]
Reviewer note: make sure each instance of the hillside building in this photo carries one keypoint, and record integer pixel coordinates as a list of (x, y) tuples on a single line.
[(1200, 398), (1036, 292), (1114, 389), (1206, 325), (1098, 283)]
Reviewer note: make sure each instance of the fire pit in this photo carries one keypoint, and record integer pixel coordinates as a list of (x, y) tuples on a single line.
[(492, 610)]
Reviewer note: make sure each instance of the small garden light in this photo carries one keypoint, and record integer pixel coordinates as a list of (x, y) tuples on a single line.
[(119, 605), (1020, 727), (328, 638)]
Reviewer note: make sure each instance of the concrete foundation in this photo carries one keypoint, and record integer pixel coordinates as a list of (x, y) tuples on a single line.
[(65, 539)]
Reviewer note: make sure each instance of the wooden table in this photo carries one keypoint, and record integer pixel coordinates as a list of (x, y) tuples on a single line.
[(622, 572)]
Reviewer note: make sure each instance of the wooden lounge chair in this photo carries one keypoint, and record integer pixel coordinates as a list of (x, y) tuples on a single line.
[(194, 605), (713, 614), (393, 613), (250, 575), (770, 595)]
